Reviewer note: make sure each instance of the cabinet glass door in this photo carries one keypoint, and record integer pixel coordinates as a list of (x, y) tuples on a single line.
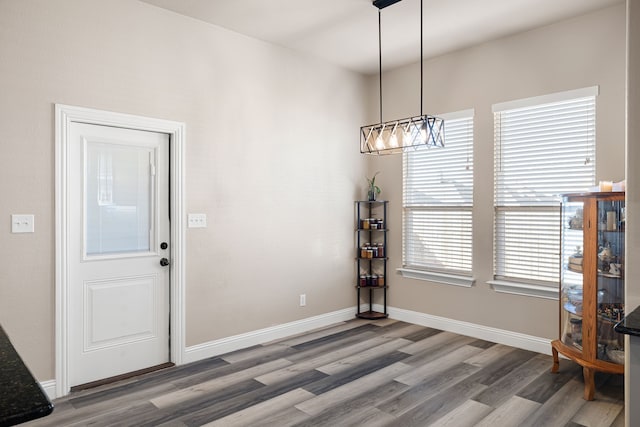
[(572, 273), (610, 280)]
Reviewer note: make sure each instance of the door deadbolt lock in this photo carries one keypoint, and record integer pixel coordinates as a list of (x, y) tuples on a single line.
[(164, 262), (164, 245)]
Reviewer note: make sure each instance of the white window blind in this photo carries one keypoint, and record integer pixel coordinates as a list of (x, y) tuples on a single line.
[(438, 201), (541, 151)]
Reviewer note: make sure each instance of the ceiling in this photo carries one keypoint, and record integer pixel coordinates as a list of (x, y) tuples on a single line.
[(345, 32)]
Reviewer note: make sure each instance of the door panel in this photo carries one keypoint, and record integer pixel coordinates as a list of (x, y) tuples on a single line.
[(132, 299), (119, 292)]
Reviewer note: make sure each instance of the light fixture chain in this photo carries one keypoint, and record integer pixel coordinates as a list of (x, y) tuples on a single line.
[(421, 61), (380, 57)]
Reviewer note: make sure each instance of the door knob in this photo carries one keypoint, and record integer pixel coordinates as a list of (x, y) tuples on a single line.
[(164, 262)]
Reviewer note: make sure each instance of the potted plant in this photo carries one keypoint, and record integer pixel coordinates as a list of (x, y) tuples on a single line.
[(373, 189)]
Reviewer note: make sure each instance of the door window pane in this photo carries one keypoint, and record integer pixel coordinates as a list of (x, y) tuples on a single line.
[(118, 199)]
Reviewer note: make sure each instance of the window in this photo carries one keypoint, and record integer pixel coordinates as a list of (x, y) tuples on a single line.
[(438, 202), (544, 147)]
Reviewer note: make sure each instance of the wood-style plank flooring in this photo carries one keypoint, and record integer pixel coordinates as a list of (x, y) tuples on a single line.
[(356, 373)]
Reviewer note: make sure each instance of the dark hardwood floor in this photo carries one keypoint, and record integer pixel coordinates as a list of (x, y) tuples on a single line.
[(378, 373)]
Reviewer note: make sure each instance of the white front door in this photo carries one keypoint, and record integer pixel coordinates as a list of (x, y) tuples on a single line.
[(119, 251)]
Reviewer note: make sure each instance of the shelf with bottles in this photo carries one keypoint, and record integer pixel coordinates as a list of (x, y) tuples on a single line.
[(371, 257), (611, 312), (605, 274), (372, 281), (613, 270), (375, 250), (371, 224)]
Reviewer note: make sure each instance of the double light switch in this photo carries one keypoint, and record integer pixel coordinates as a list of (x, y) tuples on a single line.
[(22, 223)]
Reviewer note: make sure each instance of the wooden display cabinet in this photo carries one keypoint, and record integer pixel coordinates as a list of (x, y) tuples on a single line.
[(592, 284)]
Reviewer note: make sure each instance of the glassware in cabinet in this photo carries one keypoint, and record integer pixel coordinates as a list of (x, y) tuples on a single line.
[(610, 280), (571, 275)]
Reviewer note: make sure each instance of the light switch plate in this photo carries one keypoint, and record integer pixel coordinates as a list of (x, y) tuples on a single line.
[(197, 220), (22, 223)]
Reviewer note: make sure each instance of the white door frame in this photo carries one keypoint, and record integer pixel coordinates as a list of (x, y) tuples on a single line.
[(64, 116)]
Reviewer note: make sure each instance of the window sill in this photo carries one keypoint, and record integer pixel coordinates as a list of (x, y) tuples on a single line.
[(443, 278), (524, 289)]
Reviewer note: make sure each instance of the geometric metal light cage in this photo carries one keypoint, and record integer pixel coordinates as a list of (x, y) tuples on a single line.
[(402, 135)]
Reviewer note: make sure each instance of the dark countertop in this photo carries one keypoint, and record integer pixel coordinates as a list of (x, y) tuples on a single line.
[(21, 397), (630, 324)]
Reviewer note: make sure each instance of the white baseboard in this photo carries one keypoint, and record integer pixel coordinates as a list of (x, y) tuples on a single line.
[(49, 387), (237, 342), (500, 336)]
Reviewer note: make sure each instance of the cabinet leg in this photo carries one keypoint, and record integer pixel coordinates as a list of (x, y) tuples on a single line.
[(589, 383), (556, 361)]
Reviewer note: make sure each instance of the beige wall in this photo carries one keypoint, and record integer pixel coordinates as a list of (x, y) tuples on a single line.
[(280, 210), (584, 51), (271, 157)]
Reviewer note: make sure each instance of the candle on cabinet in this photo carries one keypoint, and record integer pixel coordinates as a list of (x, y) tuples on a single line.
[(606, 186)]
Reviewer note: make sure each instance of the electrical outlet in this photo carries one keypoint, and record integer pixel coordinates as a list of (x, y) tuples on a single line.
[(303, 300)]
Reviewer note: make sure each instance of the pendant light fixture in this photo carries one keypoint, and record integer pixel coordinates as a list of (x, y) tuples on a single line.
[(398, 136)]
